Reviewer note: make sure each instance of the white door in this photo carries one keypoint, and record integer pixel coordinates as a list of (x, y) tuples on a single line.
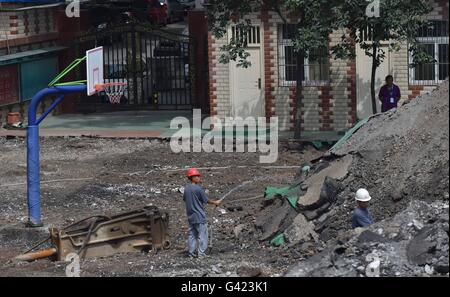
[(246, 87), (363, 76)]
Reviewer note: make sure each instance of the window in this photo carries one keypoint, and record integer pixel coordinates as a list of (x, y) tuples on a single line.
[(433, 40), (315, 71), (250, 37)]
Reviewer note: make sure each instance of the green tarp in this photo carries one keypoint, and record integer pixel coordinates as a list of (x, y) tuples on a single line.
[(350, 133), (278, 240), (291, 193)]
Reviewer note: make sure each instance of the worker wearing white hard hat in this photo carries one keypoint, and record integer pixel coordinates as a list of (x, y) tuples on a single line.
[(361, 215)]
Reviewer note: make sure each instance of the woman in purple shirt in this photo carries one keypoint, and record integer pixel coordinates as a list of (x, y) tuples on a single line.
[(389, 94)]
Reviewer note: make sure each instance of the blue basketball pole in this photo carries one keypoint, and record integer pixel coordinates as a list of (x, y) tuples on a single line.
[(33, 166)]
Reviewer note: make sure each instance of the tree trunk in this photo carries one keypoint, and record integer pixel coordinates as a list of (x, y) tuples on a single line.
[(373, 78), (300, 77)]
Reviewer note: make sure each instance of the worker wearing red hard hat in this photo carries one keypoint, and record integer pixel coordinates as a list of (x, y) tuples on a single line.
[(193, 172), (195, 198)]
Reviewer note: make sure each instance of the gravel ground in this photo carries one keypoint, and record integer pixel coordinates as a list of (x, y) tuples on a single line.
[(120, 175)]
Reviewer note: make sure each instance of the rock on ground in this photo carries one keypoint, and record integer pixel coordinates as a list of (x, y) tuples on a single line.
[(300, 230)]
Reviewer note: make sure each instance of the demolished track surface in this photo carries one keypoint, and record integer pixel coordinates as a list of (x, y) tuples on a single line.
[(89, 176)]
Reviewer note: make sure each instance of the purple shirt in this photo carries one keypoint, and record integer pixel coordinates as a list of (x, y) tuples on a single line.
[(389, 97)]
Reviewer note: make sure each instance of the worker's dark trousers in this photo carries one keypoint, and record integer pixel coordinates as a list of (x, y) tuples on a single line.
[(198, 239)]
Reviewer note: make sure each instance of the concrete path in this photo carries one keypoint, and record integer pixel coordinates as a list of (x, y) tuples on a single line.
[(141, 124), (137, 124)]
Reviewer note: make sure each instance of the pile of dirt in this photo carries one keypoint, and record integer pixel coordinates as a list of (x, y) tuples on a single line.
[(402, 158), (399, 157)]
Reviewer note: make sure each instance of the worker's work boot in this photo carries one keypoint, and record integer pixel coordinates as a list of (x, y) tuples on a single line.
[(190, 256), (31, 224)]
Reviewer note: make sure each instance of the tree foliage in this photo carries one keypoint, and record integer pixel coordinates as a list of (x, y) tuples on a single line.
[(397, 24)]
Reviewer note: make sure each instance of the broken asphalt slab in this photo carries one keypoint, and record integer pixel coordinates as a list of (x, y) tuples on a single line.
[(337, 169)]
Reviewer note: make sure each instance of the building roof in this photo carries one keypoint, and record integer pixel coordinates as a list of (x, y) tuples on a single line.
[(29, 55)]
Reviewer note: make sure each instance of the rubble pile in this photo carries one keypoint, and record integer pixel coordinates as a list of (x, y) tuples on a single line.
[(401, 157), (412, 243)]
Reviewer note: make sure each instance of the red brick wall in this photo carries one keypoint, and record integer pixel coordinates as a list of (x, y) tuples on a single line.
[(326, 105), (352, 102), (415, 91), (198, 30), (293, 105), (212, 82), (269, 81)]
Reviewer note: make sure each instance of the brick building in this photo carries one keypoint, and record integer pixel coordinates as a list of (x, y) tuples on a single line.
[(336, 92), (34, 44)]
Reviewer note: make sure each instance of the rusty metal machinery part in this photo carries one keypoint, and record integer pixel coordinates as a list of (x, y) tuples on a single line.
[(99, 236), (122, 233)]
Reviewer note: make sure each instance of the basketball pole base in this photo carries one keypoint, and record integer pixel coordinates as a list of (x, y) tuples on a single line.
[(33, 164), (33, 177)]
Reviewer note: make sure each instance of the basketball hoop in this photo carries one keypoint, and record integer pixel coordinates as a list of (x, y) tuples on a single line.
[(113, 90)]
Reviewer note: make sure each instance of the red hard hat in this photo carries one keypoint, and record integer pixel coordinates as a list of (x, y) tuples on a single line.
[(193, 172)]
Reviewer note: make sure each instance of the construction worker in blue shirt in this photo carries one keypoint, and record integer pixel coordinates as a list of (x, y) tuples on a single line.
[(362, 217), (195, 198)]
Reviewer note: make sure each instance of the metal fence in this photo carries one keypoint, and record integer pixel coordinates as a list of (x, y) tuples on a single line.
[(156, 64)]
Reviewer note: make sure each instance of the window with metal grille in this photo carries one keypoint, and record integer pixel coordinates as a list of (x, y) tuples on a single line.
[(366, 34), (250, 37), (433, 40), (316, 67)]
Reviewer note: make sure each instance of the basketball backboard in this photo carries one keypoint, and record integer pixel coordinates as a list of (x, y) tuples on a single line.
[(94, 69)]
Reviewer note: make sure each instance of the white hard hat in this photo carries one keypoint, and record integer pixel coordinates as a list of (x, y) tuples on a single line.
[(362, 195)]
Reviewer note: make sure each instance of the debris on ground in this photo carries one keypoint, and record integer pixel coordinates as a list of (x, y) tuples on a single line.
[(400, 249), (301, 230), (292, 218), (114, 176), (247, 271)]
